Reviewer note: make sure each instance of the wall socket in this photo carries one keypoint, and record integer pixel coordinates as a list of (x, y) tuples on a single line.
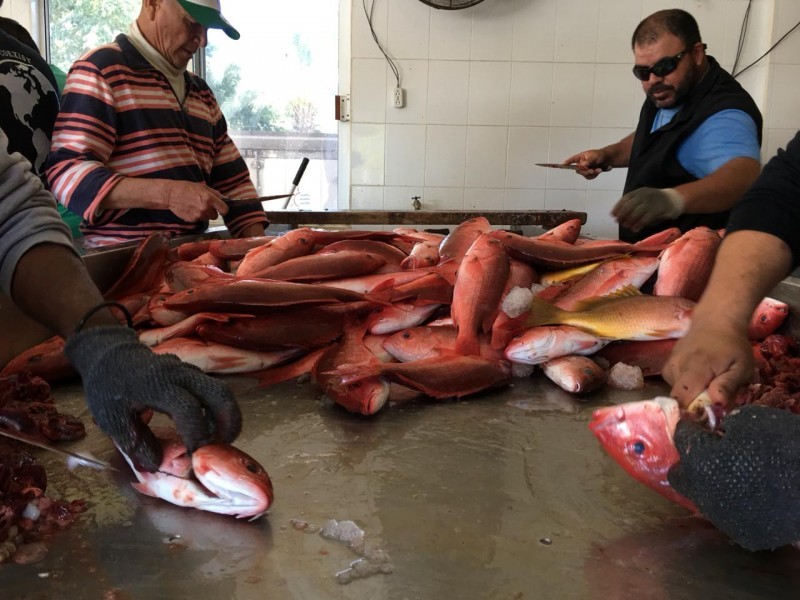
[(399, 97)]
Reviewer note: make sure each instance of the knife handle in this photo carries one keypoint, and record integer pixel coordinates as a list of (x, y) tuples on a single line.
[(300, 171), (296, 181)]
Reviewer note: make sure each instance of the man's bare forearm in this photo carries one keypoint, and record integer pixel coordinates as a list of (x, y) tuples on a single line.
[(619, 153), (136, 192), (749, 265), (722, 189), (52, 286)]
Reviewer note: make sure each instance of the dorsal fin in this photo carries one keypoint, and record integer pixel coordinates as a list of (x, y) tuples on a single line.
[(628, 291)]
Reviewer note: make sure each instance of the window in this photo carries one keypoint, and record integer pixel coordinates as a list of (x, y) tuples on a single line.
[(75, 26), (275, 84)]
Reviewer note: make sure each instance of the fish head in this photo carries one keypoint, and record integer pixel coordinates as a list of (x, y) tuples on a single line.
[(639, 437), (767, 317), (240, 484), (415, 343), (365, 396), (544, 343)]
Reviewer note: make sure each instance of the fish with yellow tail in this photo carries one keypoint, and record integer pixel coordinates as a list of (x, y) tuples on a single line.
[(624, 315)]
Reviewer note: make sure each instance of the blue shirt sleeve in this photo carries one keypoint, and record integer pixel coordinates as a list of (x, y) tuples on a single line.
[(722, 137)]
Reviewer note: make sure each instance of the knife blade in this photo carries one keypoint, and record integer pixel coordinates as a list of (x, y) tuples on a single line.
[(557, 166), (260, 198), (87, 461)]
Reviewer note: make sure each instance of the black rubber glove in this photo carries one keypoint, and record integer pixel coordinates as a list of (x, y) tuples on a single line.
[(747, 481), (122, 378)]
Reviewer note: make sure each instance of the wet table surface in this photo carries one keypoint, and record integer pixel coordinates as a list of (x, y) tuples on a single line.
[(506, 495)]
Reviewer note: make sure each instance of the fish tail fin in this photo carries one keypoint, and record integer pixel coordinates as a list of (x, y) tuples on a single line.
[(289, 371), (467, 343), (382, 293), (145, 489), (543, 313), (348, 373), (504, 331)]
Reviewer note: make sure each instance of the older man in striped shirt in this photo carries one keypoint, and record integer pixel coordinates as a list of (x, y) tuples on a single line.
[(141, 145)]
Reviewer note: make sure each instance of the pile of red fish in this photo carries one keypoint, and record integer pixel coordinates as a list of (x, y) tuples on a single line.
[(379, 315), (27, 515)]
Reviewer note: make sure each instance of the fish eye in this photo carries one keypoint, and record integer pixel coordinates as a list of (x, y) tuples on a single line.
[(763, 318), (638, 447), (251, 467), (406, 335)]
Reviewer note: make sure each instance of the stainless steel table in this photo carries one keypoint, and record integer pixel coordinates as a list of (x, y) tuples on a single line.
[(502, 496)]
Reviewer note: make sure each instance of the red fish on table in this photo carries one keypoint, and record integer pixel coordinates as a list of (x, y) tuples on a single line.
[(480, 282), (686, 264), (218, 478)]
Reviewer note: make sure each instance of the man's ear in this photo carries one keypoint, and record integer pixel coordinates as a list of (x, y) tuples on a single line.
[(149, 8)]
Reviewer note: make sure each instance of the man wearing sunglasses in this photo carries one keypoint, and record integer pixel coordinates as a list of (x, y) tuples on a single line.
[(696, 148)]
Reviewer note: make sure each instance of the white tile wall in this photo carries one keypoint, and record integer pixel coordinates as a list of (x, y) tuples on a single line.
[(486, 157), (405, 155), (494, 88), (448, 92), (489, 93)]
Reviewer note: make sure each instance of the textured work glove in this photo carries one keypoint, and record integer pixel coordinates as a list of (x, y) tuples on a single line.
[(122, 378), (640, 208), (746, 482)]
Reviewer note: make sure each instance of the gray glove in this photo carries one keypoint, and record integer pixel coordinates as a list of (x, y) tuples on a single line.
[(746, 482), (122, 378), (640, 208)]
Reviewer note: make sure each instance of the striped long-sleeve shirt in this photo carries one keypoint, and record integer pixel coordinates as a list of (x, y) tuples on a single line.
[(120, 118)]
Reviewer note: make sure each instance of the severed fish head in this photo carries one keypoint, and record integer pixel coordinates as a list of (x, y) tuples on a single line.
[(239, 484), (639, 437)]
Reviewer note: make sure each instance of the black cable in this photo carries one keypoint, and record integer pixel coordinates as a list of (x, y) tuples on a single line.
[(102, 305), (742, 35), (796, 25), (368, 14)]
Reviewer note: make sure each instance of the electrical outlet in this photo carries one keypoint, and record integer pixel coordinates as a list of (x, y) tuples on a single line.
[(399, 97)]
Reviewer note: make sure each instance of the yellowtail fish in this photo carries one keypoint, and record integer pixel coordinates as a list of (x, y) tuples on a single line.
[(567, 274), (625, 315)]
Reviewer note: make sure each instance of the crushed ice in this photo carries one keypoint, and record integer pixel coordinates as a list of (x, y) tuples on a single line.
[(517, 301), (344, 531), (625, 377), (372, 561)]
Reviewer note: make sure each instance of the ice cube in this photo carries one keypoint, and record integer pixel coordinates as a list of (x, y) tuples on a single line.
[(625, 377), (517, 302)]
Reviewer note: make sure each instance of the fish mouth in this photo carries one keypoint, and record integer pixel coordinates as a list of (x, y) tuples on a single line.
[(610, 416), (378, 397)]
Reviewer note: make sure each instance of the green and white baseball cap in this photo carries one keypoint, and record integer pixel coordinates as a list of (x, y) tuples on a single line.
[(209, 14)]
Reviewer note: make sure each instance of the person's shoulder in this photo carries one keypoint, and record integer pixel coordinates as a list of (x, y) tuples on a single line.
[(729, 118), (199, 82), (104, 55)]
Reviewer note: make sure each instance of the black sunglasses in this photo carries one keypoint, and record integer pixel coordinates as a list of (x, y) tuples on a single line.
[(662, 68)]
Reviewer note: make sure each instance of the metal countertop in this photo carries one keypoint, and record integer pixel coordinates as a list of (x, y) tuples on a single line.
[(506, 495)]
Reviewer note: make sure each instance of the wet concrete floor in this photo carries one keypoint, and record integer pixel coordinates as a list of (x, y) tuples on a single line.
[(506, 496)]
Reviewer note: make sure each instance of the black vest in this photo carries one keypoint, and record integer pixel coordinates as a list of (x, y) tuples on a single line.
[(654, 156)]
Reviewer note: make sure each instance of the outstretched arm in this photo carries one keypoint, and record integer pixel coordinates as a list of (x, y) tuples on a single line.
[(716, 353)]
